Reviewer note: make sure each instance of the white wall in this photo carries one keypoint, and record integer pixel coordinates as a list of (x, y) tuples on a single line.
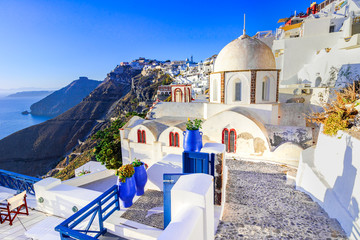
[(329, 173), (216, 77), (59, 199), (260, 75), (298, 52), (192, 209), (230, 79)]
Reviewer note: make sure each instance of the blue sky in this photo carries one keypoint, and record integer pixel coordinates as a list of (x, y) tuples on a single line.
[(47, 44)]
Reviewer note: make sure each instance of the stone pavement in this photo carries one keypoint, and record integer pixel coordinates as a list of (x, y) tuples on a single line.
[(261, 205)]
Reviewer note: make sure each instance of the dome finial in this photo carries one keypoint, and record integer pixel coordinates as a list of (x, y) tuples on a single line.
[(244, 31)]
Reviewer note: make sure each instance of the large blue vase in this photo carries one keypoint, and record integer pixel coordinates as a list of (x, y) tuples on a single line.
[(192, 140), (127, 191), (140, 179)]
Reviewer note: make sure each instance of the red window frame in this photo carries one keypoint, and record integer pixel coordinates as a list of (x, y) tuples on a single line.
[(174, 139), (141, 136), (180, 92), (228, 139), (177, 142)]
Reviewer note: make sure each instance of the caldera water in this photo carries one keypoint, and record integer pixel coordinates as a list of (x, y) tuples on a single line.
[(11, 119)]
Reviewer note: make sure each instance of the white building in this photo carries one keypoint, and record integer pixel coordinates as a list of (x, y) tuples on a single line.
[(243, 113)]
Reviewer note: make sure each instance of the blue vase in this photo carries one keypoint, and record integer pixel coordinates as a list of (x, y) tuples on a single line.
[(127, 191), (140, 179), (192, 140)]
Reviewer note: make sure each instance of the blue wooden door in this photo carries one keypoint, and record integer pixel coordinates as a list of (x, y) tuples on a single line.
[(197, 162), (169, 180)]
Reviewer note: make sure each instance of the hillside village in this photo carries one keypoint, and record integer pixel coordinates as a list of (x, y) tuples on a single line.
[(278, 155)]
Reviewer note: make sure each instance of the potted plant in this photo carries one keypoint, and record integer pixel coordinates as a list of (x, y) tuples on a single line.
[(192, 136), (127, 188), (140, 176)]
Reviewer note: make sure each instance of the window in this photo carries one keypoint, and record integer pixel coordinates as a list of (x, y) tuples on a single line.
[(265, 89), (229, 139), (174, 139), (332, 29), (141, 136), (215, 90), (238, 91)]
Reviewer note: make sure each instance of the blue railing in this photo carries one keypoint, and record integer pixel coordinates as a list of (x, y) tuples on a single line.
[(18, 181), (101, 208)]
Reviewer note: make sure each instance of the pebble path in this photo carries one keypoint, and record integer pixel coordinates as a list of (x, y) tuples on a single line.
[(261, 204)]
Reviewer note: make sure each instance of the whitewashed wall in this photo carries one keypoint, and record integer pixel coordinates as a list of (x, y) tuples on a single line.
[(330, 174), (192, 209), (59, 199)]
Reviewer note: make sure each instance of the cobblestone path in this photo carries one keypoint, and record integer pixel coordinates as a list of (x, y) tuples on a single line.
[(261, 205)]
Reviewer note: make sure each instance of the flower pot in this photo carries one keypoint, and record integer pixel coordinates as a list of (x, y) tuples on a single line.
[(192, 140), (127, 191), (140, 179)]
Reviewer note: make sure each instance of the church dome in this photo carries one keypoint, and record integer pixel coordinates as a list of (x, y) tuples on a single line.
[(245, 53)]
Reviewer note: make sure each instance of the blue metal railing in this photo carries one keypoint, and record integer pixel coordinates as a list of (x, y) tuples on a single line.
[(18, 181), (100, 207)]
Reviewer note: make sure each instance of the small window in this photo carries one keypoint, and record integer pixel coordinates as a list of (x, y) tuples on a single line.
[(332, 28), (229, 139), (238, 91), (265, 89), (215, 91), (174, 139), (141, 136)]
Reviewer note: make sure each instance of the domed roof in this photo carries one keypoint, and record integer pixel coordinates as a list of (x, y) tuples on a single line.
[(245, 53)]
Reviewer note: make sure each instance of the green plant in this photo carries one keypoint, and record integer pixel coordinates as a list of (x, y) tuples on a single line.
[(83, 172), (125, 171), (137, 162), (193, 125), (340, 112), (108, 149)]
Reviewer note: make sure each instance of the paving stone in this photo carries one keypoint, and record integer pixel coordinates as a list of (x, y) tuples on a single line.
[(261, 205)]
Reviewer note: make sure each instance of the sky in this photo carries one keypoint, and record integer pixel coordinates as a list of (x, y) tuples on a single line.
[(47, 44)]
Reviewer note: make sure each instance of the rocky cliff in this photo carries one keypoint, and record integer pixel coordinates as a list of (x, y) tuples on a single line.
[(62, 100), (35, 150)]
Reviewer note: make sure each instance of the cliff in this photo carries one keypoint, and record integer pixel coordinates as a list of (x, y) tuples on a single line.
[(35, 150), (62, 100)]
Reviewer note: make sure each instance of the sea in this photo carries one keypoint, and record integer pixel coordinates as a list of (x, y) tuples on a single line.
[(11, 119)]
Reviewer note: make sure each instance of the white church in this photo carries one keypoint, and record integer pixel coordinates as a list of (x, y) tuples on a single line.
[(243, 113)]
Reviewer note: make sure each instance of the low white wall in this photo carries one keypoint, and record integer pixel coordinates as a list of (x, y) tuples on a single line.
[(192, 209), (89, 178), (329, 173), (59, 199)]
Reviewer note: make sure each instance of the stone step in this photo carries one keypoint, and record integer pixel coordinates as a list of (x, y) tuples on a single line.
[(129, 229)]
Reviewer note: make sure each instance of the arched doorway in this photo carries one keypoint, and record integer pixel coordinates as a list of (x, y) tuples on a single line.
[(178, 95)]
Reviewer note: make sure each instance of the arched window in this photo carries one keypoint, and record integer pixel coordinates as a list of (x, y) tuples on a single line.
[(265, 89), (229, 139), (141, 136), (174, 139), (238, 89), (318, 82), (215, 90), (177, 140)]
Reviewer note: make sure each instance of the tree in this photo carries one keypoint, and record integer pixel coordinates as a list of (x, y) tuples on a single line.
[(108, 149)]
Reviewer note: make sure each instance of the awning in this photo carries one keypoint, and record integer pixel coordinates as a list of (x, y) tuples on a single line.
[(289, 27), (282, 20)]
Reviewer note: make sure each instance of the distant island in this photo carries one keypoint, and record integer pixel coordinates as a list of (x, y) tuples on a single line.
[(26, 94), (62, 100)]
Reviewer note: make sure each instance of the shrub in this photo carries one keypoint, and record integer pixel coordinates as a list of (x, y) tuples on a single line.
[(108, 149), (340, 112)]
